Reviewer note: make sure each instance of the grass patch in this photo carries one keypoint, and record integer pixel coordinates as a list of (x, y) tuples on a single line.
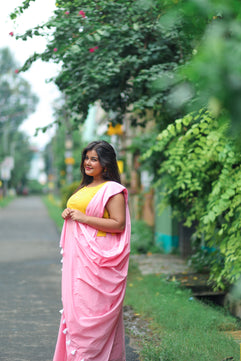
[(182, 328), (54, 210), (5, 201)]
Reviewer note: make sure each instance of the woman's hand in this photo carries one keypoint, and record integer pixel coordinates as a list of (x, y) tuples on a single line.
[(66, 212), (76, 215)]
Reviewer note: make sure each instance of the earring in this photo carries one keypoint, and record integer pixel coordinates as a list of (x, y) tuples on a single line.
[(105, 173)]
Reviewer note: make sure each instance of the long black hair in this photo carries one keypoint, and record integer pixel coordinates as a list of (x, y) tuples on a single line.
[(107, 159)]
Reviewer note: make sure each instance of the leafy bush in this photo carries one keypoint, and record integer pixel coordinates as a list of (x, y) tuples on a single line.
[(142, 238), (202, 259), (67, 191), (54, 210), (35, 187)]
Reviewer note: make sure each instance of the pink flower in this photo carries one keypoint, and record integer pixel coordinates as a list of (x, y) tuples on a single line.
[(66, 12), (16, 71), (55, 49), (92, 50), (11, 33), (82, 13)]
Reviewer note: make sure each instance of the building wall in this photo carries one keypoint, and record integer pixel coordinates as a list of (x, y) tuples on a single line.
[(166, 228)]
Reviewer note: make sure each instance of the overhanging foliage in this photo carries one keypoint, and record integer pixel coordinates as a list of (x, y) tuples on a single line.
[(112, 51), (200, 171)]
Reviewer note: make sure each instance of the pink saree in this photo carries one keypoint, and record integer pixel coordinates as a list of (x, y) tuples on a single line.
[(93, 287)]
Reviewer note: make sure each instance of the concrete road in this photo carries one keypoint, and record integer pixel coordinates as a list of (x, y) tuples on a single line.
[(30, 276)]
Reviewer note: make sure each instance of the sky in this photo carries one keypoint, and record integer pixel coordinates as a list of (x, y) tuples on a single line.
[(38, 13)]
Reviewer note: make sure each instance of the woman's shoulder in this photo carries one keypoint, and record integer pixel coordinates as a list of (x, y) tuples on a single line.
[(114, 185), (112, 188)]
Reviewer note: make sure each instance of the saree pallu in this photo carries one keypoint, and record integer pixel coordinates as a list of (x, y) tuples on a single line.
[(93, 286)]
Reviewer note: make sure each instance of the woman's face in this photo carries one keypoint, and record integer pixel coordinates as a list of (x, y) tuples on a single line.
[(92, 165)]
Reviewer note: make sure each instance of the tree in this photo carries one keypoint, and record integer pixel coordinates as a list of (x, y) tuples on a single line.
[(212, 75), (130, 54), (16, 99), (112, 51), (22, 154), (56, 150), (16, 103)]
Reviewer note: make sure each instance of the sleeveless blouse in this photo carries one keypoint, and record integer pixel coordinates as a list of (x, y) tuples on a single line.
[(82, 198)]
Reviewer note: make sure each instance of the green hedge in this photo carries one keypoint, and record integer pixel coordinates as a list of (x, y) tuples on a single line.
[(67, 192)]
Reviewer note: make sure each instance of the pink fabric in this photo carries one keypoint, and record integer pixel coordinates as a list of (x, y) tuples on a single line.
[(93, 287)]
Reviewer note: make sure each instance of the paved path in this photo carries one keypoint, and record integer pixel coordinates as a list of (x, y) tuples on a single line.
[(30, 274), (166, 264)]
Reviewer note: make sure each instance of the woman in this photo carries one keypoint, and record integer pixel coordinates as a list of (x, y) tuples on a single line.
[(95, 243)]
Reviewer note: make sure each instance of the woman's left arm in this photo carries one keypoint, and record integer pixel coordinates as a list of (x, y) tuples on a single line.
[(117, 216)]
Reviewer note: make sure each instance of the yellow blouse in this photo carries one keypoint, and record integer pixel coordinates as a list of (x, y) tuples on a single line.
[(81, 199)]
